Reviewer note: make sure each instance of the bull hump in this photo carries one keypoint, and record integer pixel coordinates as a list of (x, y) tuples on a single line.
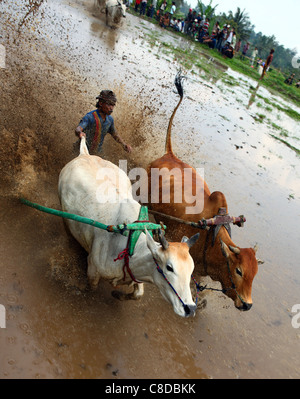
[(170, 161)]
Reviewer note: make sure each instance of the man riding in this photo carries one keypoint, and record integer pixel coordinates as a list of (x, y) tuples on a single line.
[(96, 124)]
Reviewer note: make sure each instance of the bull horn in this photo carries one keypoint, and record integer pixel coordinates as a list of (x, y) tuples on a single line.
[(235, 250), (162, 240), (190, 241), (259, 261), (224, 249)]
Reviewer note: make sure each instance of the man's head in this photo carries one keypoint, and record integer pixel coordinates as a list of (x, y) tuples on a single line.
[(106, 101)]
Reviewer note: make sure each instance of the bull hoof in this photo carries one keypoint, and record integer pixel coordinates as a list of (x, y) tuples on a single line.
[(121, 296), (91, 287), (118, 295)]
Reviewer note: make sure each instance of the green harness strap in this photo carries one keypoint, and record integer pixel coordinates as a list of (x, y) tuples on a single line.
[(143, 222), (133, 230)]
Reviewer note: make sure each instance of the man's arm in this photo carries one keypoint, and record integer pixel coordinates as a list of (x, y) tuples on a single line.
[(86, 121), (119, 139), (79, 131)]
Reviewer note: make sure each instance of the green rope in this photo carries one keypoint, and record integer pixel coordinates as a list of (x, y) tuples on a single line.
[(121, 228)]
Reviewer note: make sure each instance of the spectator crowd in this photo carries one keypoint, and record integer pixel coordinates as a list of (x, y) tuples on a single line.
[(194, 25), (198, 27)]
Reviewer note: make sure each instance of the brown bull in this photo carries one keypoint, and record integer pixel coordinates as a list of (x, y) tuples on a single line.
[(214, 254)]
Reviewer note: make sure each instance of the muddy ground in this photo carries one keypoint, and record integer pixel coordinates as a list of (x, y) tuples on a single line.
[(58, 57)]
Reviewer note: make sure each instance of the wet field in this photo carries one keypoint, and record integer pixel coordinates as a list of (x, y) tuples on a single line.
[(58, 57)]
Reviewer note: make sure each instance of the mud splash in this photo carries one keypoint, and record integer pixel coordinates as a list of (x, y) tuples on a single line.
[(33, 8)]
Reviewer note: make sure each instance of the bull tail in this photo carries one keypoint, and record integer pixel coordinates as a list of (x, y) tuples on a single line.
[(178, 83), (83, 148)]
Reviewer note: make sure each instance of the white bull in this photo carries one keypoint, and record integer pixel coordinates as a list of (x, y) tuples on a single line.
[(100, 4), (97, 189), (115, 10)]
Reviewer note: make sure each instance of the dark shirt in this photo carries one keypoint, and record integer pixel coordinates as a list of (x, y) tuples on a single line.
[(269, 60), (88, 124)]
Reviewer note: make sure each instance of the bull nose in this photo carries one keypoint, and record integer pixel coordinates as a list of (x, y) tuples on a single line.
[(246, 306), (190, 310)]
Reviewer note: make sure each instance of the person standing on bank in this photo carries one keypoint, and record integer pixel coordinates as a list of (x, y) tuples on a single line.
[(96, 124), (267, 63)]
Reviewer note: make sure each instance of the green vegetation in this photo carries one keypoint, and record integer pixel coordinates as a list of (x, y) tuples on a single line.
[(289, 111), (198, 59), (245, 32), (209, 11), (273, 81), (239, 20), (193, 60), (287, 144), (195, 57)]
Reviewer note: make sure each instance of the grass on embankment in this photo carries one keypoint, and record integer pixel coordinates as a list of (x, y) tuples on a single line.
[(190, 59), (198, 59)]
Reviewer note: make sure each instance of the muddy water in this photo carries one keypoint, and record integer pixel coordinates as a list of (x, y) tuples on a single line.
[(58, 57)]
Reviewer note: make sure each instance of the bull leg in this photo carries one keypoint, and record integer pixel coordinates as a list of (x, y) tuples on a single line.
[(93, 274), (138, 291)]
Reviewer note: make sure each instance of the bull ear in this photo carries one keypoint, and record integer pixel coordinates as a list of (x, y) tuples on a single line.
[(190, 241), (151, 244), (162, 240), (225, 250), (259, 261), (235, 250)]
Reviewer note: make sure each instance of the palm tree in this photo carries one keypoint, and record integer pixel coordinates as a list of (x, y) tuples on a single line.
[(208, 11), (241, 22)]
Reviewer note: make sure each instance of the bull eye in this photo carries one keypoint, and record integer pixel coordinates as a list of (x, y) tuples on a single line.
[(170, 268), (238, 271)]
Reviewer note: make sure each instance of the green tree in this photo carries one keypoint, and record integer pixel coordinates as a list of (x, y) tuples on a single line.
[(282, 57), (185, 6), (241, 22), (208, 11)]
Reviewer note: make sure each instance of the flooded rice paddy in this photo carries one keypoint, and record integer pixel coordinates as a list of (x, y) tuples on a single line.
[(59, 55)]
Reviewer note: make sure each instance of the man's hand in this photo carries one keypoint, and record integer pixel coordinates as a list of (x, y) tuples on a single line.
[(79, 132), (119, 140), (127, 147)]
